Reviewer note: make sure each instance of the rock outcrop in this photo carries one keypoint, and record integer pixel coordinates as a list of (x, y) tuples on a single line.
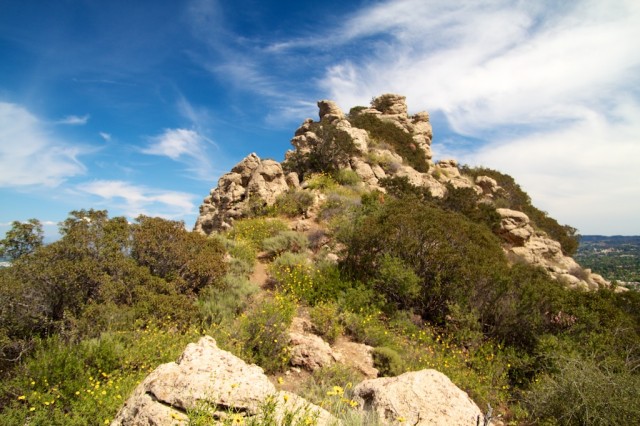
[(536, 248), (251, 180), (425, 397), (254, 182), (215, 383)]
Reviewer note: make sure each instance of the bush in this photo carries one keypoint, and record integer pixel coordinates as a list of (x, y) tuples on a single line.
[(256, 230), (222, 305), (293, 203), (581, 393), (292, 241), (325, 317), (387, 361), (321, 181), (346, 177), (294, 275), (243, 254), (264, 333), (388, 132)]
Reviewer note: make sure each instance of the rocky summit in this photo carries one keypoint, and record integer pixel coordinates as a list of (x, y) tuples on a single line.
[(384, 141)]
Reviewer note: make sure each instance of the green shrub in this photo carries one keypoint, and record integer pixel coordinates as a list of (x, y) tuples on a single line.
[(388, 132), (293, 203), (264, 333), (222, 305), (291, 241), (581, 393), (293, 274), (325, 317), (346, 177), (256, 230), (321, 181), (387, 361), (397, 282), (243, 254)]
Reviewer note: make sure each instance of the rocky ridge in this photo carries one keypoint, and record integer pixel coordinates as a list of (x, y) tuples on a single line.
[(260, 181)]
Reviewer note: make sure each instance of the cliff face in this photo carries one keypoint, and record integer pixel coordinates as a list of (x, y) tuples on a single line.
[(377, 142)]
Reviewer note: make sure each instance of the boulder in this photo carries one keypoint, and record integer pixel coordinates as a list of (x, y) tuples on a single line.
[(206, 378), (390, 104), (329, 111), (425, 397)]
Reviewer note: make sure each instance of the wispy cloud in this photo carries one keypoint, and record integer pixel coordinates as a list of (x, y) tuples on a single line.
[(30, 155), (105, 136), (186, 146), (74, 120), (134, 200)]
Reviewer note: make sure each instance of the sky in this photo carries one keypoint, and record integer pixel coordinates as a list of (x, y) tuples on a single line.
[(139, 107)]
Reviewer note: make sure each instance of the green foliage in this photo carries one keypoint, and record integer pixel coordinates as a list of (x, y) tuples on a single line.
[(256, 230), (329, 152), (321, 181), (221, 305), (264, 330), (400, 140), (293, 274), (23, 238), (514, 197), (396, 281), (387, 361), (171, 252), (292, 241), (325, 317), (293, 203), (243, 254), (346, 177), (582, 393)]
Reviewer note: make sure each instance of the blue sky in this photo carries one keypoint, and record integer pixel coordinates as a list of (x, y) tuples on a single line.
[(139, 107)]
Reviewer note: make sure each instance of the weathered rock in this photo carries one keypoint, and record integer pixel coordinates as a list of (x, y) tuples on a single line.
[(356, 355), (489, 185), (310, 351), (390, 104), (206, 378), (425, 397), (251, 178), (330, 111), (514, 226), (365, 171)]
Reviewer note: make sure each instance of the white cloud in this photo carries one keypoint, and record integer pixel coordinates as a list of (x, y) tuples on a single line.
[(105, 136), (186, 146), (74, 120), (29, 154), (585, 174), (550, 88), (134, 200)]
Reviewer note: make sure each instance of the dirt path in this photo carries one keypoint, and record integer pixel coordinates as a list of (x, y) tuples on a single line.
[(259, 275)]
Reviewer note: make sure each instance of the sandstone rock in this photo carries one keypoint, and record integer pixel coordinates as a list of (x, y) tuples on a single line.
[(514, 226), (310, 351), (251, 178), (425, 397), (489, 185), (390, 104), (356, 355), (203, 376), (364, 170), (330, 111)]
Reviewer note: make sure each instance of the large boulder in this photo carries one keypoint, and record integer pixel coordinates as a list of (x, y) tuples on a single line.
[(425, 397), (209, 379)]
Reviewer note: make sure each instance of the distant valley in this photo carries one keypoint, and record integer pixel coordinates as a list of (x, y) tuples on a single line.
[(614, 257)]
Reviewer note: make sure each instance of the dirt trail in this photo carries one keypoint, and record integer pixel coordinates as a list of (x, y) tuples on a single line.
[(259, 275)]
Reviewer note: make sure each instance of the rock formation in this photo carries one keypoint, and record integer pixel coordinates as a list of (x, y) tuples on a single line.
[(215, 383), (425, 397), (259, 182), (252, 179)]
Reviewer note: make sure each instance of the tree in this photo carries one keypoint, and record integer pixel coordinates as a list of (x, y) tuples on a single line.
[(23, 238)]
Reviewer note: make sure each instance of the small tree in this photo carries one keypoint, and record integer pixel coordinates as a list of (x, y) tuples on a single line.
[(23, 238)]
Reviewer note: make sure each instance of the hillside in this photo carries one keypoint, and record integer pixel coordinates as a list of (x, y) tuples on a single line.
[(357, 273)]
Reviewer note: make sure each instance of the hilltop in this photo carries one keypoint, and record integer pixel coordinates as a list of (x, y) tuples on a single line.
[(357, 282)]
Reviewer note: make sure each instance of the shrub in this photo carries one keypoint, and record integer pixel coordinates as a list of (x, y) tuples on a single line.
[(387, 361), (293, 203), (388, 132), (291, 241), (346, 177), (243, 254), (222, 305), (397, 282), (256, 230), (293, 274), (325, 317), (265, 337), (321, 181), (582, 393)]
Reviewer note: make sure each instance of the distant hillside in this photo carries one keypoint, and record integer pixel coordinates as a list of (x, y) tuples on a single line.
[(615, 257)]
